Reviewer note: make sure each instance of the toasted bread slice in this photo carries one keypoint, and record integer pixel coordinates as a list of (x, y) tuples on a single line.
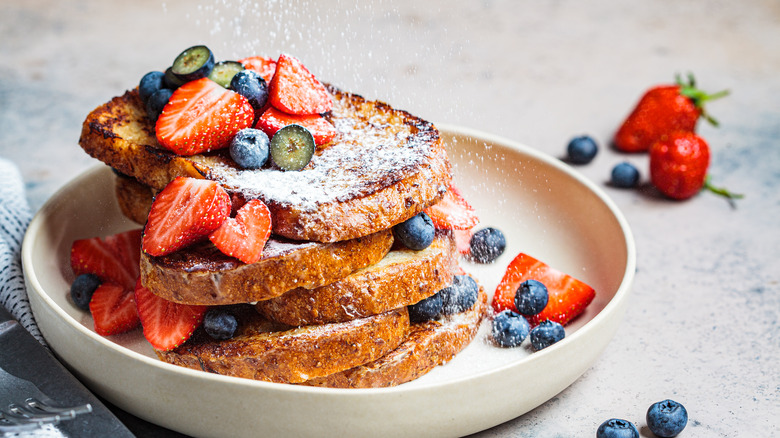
[(261, 351), (383, 166), (401, 278), (134, 199), (428, 345)]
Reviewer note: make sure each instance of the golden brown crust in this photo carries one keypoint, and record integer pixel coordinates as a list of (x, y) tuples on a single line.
[(428, 345), (383, 167), (401, 278), (201, 274), (134, 199), (293, 355)]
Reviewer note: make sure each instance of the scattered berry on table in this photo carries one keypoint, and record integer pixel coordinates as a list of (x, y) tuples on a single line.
[(460, 295), (617, 428), (624, 175), (426, 309), (678, 164), (82, 288), (581, 150), (250, 148), (219, 323), (545, 334), (509, 329), (415, 233), (487, 244), (292, 147), (150, 83), (531, 297), (667, 418)]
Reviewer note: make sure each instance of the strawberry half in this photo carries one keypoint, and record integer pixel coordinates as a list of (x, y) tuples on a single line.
[(265, 66), (202, 116), (273, 120), (113, 259), (244, 236), (185, 211), (452, 212), (166, 324), (113, 309), (568, 297), (294, 90), (463, 240)]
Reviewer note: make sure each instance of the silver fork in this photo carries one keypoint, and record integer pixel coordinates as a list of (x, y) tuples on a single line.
[(24, 407)]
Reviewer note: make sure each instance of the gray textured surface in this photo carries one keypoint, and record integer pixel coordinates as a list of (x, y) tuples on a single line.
[(703, 324)]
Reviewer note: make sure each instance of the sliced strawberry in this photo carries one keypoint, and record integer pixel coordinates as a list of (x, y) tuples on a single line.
[(202, 116), (113, 309), (185, 211), (452, 212), (273, 120), (463, 240), (113, 259), (568, 296), (244, 236), (265, 66), (166, 324), (294, 90)]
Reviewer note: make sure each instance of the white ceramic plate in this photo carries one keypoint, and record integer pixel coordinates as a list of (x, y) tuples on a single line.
[(545, 209)]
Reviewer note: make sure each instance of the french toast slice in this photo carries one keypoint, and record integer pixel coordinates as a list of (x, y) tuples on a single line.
[(262, 351), (383, 166), (201, 274), (401, 278), (428, 345)]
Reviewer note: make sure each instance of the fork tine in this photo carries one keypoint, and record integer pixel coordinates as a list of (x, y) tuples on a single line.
[(65, 413), (20, 414)]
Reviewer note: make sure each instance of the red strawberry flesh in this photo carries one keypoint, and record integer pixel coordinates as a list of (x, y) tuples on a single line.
[(453, 212), (244, 236), (273, 120), (113, 309), (166, 324), (295, 90)]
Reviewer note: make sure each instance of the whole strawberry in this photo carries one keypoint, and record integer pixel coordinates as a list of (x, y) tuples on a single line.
[(662, 110), (678, 164)]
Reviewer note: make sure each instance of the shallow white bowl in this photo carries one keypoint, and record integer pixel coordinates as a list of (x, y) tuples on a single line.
[(544, 207)]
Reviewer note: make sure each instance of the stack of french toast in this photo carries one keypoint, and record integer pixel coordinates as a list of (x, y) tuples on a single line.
[(327, 302)]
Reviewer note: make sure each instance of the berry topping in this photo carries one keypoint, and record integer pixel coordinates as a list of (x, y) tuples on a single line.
[(202, 116), (292, 147), (265, 66), (273, 120), (294, 90), (251, 85), (617, 428), (171, 81), (509, 329), (185, 211), (545, 334), (460, 295), (249, 148), (415, 233), (678, 164), (156, 102), (113, 259), (150, 84), (452, 212), (426, 309), (82, 288), (624, 175), (224, 72), (166, 324), (568, 297), (113, 309), (244, 236), (531, 297), (667, 418), (581, 150), (193, 63), (487, 244), (463, 240), (219, 323)]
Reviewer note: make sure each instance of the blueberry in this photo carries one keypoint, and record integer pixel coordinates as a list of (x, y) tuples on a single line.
[(487, 244), (545, 334), (581, 150), (667, 418), (617, 428), (531, 297), (193, 63), (156, 103), (624, 175), (426, 309), (249, 148), (509, 329), (150, 84), (251, 85), (460, 295), (416, 232), (82, 288), (219, 323), (292, 147)]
